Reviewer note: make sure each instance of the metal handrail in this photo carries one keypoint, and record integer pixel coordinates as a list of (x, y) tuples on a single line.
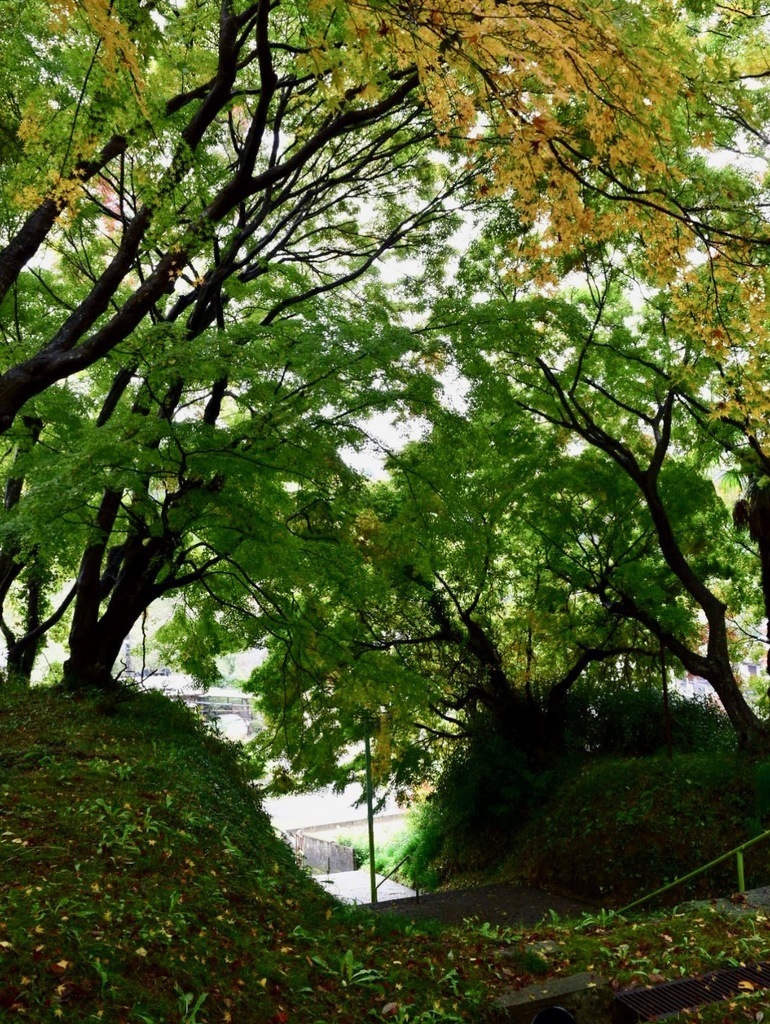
[(394, 870), (737, 852)]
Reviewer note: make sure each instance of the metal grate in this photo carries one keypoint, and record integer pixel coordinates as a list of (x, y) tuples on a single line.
[(671, 997)]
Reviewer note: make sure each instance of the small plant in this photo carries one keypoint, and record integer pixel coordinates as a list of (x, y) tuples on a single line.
[(597, 919), (494, 932), (532, 962), (189, 1006)]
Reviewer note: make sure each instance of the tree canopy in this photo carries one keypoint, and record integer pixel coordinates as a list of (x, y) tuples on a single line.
[(197, 197)]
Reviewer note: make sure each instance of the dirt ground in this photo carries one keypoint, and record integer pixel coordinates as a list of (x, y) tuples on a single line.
[(496, 904)]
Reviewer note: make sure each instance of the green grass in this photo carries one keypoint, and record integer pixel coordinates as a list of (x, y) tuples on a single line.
[(648, 949), (617, 829), (611, 830), (140, 883)]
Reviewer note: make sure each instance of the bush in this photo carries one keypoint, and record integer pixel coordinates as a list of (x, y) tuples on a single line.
[(487, 793), (484, 794), (409, 853), (631, 723), (419, 845)]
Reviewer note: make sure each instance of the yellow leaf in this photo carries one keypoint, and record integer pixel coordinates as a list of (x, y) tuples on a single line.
[(747, 986), (141, 951)]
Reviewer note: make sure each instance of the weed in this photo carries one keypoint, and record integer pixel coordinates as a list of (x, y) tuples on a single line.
[(599, 919), (493, 932), (189, 1006)]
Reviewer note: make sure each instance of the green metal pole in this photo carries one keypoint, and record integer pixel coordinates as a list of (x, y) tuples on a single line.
[(666, 703), (370, 814), (741, 875)]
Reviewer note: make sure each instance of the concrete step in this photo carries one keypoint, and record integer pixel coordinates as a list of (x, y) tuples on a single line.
[(586, 996)]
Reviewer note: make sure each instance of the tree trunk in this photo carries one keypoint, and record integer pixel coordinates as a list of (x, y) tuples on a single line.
[(97, 634), (90, 664), (753, 734), (22, 654), (764, 560), (96, 642)]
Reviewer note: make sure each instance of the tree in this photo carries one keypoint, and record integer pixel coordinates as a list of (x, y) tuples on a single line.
[(144, 247), (634, 395), (166, 153), (154, 503), (459, 593), (178, 172)]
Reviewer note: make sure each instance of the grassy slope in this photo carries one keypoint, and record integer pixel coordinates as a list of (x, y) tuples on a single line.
[(617, 829), (141, 884), (611, 830)]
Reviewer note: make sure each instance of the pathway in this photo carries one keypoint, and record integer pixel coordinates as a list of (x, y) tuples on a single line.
[(355, 887), (503, 905)]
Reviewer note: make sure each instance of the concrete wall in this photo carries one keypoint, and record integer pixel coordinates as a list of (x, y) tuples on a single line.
[(318, 853)]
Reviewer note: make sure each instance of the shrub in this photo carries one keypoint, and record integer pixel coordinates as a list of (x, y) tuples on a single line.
[(483, 795), (418, 846), (409, 853), (631, 722), (487, 793)]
